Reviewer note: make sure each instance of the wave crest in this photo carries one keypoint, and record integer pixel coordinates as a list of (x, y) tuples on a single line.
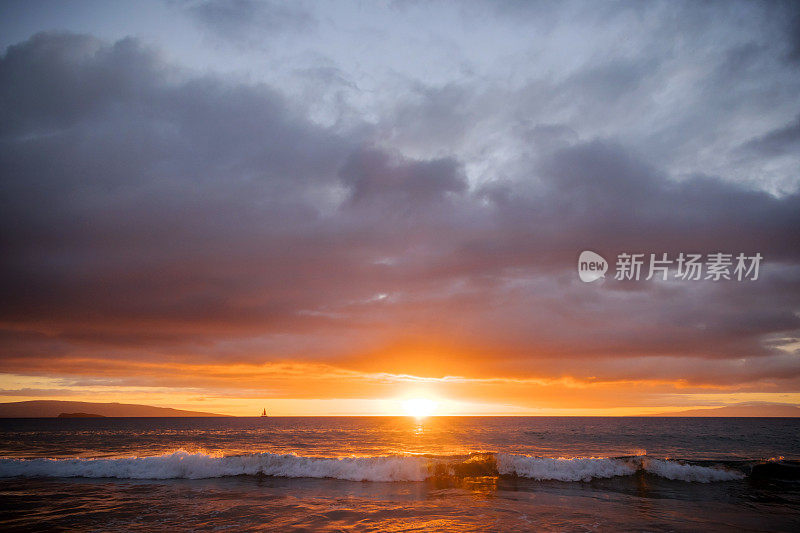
[(688, 472), (184, 465), (574, 469)]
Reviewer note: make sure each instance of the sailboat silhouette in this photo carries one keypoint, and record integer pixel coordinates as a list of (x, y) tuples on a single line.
[(264, 412)]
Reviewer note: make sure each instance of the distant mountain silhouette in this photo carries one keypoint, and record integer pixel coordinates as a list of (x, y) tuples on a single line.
[(53, 408), (744, 410), (79, 415)]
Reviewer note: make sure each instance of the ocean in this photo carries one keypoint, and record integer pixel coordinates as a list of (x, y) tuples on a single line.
[(400, 474)]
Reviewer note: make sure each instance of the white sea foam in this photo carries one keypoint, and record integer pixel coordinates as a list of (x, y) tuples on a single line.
[(587, 468), (185, 465), (571, 469), (687, 472)]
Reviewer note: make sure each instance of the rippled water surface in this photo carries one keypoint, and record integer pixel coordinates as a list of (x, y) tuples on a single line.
[(400, 474)]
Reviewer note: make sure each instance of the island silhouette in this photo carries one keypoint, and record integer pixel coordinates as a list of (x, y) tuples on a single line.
[(56, 408)]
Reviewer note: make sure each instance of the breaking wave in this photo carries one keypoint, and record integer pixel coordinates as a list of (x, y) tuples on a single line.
[(185, 465), (586, 469)]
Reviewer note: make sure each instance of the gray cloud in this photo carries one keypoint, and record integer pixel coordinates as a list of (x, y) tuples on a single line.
[(148, 212), (793, 33), (371, 174), (785, 140), (250, 22)]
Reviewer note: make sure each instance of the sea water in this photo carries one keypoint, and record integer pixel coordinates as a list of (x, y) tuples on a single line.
[(401, 474)]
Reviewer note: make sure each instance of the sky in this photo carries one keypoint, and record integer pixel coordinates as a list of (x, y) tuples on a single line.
[(332, 207)]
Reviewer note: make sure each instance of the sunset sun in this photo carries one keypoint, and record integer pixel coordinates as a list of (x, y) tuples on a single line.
[(419, 407)]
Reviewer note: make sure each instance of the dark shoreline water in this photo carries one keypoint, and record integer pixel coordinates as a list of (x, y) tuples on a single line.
[(284, 504), (398, 474)]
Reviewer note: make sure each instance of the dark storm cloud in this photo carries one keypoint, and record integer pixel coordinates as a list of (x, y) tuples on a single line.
[(150, 213), (597, 195), (793, 34), (250, 20), (54, 80), (785, 140), (597, 192), (370, 174)]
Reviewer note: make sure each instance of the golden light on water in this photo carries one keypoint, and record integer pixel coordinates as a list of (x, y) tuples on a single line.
[(419, 407)]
